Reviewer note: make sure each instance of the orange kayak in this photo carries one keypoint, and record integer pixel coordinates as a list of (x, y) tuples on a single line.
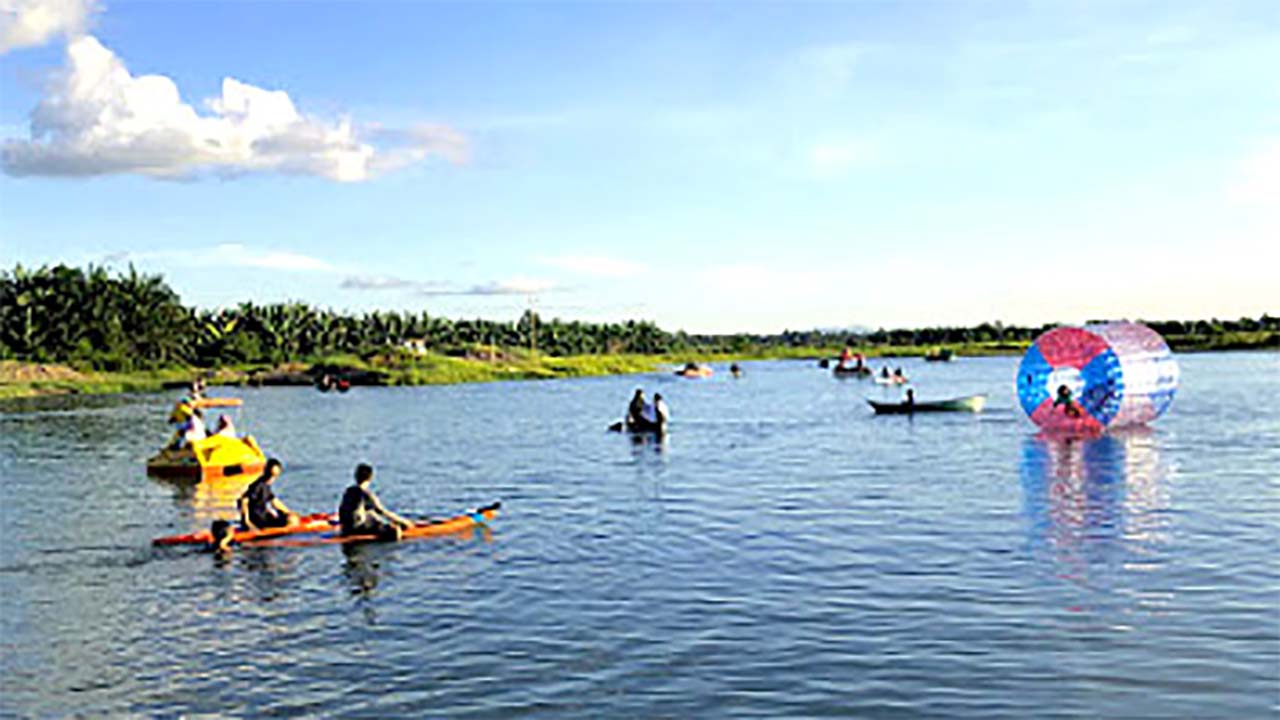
[(457, 524), (319, 522), (321, 529)]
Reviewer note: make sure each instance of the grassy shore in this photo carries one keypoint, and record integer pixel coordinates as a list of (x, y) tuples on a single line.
[(22, 379), (19, 379)]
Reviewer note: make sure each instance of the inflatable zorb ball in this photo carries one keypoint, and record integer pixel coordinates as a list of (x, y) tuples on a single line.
[(1097, 377)]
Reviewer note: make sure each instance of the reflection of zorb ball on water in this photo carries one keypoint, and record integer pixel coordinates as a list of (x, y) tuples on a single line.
[(1117, 373)]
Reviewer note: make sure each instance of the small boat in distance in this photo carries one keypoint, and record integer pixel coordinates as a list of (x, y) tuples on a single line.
[(694, 370), (850, 371), (939, 355), (969, 403)]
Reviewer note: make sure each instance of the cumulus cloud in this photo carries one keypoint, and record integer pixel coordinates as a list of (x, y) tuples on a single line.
[(26, 23), (596, 265), (98, 119)]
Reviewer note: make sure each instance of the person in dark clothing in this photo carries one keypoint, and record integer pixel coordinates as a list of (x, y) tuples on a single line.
[(1068, 404), (635, 411), (362, 513), (259, 506), (222, 536)]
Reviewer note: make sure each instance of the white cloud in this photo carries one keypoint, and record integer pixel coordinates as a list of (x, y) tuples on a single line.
[(514, 286), (376, 282), (25, 23), (228, 255), (235, 255), (596, 265), (98, 119)]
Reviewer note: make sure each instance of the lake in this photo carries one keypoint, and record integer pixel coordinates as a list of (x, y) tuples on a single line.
[(783, 553)]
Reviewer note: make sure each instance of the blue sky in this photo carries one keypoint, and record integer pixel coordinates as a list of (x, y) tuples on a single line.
[(710, 166)]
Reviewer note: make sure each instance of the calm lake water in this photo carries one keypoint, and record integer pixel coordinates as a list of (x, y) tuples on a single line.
[(783, 553)]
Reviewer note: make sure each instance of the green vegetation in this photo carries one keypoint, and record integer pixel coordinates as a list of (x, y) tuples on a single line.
[(64, 329)]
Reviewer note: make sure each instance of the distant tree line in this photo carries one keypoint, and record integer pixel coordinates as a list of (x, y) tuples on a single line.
[(131, 320)]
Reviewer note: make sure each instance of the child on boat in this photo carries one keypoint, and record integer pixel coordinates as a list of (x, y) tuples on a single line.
[(259, 507)]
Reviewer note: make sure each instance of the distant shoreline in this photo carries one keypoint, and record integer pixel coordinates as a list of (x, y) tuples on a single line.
[(21, 379)]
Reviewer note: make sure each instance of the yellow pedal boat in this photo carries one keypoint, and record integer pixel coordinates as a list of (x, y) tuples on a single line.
[(213, 457)]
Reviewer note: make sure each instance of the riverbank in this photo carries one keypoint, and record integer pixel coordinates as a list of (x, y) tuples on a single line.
[(24, 379), (21, 379)]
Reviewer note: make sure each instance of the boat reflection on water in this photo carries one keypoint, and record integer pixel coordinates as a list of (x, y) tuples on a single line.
[(209, 500), (644, 441), (1097, 508)]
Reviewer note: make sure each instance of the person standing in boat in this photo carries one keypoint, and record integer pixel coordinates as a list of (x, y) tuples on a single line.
[(259, 507), (362, 513)]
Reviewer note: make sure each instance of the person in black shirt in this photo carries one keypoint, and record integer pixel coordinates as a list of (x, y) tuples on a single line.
[(635, 411), (259, 506), (362, 513)]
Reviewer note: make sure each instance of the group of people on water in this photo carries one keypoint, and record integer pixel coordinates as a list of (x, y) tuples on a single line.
[(643, 416), (360, 511), (188, 421), (327, 382), (897, 374), (848, 356)]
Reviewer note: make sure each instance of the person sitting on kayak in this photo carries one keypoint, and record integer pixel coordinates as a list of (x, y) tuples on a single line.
[(911, 398), (884, 372), (259, 507), (845, 356), (635, 411), (1068, 404), (362, 513)]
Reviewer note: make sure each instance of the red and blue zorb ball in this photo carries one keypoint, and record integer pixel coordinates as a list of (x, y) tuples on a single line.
[(1097, 377)]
